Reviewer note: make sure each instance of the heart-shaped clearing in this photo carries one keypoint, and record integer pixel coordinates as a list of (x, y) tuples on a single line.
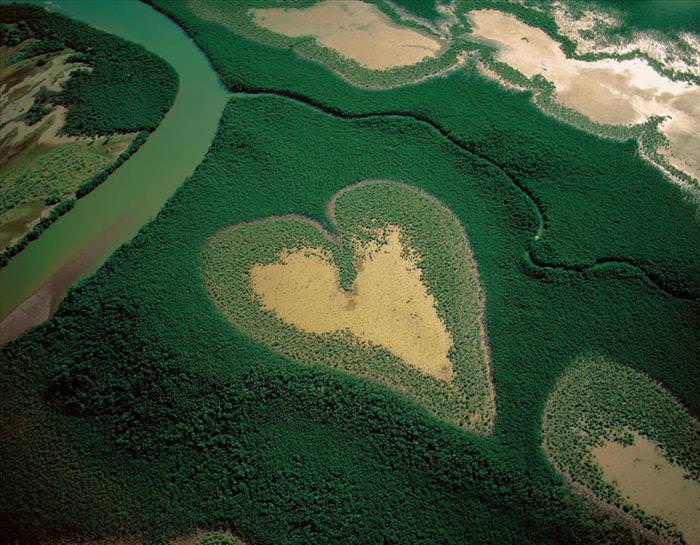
[(389, 305), (395, 297)]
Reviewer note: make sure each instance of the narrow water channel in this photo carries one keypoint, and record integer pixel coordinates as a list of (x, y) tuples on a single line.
[(35, 280)]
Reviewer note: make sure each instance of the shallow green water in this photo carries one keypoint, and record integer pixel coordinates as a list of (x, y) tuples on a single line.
[(137, 190)]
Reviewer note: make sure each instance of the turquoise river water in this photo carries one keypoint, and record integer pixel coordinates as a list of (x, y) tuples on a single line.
[(134, 193)]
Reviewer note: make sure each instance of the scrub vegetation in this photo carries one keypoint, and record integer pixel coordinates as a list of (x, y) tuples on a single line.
[(164, 415), (76, 104), (598, 401)]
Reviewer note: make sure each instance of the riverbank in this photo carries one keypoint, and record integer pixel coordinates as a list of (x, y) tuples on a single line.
[(140, 187)]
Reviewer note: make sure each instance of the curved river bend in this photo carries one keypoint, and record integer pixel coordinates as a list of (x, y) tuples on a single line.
[(35, 280)]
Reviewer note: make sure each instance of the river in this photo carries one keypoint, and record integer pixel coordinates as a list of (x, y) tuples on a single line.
[(35, 281)]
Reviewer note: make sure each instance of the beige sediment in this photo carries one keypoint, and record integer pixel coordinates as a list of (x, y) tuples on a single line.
[(354, 29), (16, 132), (601, 504), (609, 91), (441, 28), (51, 136)]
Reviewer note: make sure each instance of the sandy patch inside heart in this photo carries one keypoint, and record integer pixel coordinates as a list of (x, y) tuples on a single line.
[(389, 305), (356, 30), (608, 91), (647, 478)]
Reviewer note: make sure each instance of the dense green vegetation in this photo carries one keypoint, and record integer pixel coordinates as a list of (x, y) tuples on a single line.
[(655, 15), (177, 420), (447, 267), (123, 89), (587, 207), (427, 9), (598, 400), (237, 17), (126, 88), (239, 435)]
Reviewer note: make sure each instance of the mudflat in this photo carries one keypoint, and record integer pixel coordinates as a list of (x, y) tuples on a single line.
[(355, 30)]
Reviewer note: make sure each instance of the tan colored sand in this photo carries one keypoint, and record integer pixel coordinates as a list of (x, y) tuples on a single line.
[(607, 91), (389, 305), (354, 29), (17, 132), (20, 83), (18, 90), (659, 487)]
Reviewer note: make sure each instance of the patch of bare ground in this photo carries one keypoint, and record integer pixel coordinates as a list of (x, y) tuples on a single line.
[(20, 82), (609, 91), (198, 537), (598, 504), (442, 27), (646, 478), (354, 29), (389, 304), (622, 440)]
